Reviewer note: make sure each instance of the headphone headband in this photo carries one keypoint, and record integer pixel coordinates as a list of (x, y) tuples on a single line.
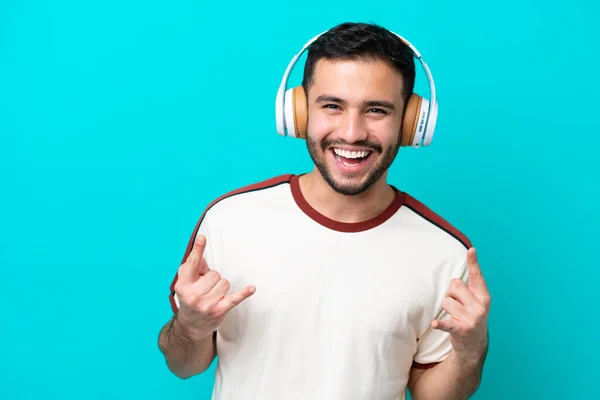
[(426, 119)]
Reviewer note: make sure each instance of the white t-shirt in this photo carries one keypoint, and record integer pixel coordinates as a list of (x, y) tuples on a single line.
[(341, 310)]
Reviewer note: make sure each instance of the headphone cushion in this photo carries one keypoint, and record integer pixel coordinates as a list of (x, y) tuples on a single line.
[(296, 113), (410, 119), (300, 111)]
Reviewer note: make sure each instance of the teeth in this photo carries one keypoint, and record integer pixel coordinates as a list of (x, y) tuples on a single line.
[(350, 154)]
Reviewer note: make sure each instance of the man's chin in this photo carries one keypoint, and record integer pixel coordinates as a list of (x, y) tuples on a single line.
[(347, 185), (349, 190)]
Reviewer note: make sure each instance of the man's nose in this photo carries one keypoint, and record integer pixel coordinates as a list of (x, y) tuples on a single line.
[(353, 128)]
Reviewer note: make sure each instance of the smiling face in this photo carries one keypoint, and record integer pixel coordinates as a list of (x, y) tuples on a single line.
[(354, 119)]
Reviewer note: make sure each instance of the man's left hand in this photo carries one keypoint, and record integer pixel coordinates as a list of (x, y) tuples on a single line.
[(468, 305)]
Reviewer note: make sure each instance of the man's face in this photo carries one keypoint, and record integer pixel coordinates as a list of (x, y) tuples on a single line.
[(355, 114)]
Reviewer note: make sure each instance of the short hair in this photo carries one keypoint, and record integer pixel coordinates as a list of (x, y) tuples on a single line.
[(365, 42)]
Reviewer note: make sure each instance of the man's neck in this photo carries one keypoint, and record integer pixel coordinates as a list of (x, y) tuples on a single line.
[(341, 208)]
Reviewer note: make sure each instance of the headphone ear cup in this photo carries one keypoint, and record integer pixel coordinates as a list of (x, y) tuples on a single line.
[(300, 111), (296, 113), (410, 119)]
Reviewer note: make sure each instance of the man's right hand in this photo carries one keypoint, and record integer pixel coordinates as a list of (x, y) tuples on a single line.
[(202, 294)]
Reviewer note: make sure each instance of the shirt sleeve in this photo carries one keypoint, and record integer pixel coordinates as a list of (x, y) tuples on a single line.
[(434, 346), (201, 228)]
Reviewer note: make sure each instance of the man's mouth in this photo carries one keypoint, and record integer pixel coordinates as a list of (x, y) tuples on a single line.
[(351, 158)]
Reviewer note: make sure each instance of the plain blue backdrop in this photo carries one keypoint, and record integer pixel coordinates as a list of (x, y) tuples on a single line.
[(120, 121)]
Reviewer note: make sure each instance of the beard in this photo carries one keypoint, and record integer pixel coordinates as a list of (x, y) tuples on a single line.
[(386, 158)]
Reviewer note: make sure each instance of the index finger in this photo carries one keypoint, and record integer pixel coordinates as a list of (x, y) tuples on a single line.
[(190, 270)]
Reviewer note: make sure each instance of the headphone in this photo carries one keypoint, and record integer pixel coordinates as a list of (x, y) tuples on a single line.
[(418, 123)]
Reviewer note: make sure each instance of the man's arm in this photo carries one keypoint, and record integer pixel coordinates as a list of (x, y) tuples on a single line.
[(452, 379), (185, 355), (201, 302), (458, 376)]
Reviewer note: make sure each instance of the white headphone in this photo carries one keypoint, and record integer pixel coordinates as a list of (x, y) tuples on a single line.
[(418, 123)]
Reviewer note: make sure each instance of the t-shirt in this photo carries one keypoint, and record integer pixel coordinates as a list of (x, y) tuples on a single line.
[(341, 310)]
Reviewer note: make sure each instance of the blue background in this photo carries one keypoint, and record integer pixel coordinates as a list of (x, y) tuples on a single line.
[(120, 121)]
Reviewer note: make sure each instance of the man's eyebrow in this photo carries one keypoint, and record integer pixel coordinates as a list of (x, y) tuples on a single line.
[(381, 103), (329, 99), (371, 103)]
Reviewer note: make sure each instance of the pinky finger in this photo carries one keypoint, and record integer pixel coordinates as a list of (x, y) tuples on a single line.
[(229, 302)]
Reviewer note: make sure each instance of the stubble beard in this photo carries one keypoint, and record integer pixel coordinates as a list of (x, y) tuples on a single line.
[(317, 154)]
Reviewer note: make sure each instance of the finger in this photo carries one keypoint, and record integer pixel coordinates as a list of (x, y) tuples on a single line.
[(476, 280), (229, 302), (189, 271), (455, 309), (217, 293), (459, 291), (206, 283), (446, 325)]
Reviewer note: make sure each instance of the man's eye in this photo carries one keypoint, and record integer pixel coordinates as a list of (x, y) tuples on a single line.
[(332, 106), (377, 110)]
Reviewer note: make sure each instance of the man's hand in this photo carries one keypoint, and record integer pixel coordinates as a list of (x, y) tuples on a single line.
[(468, 306), (202, 294)]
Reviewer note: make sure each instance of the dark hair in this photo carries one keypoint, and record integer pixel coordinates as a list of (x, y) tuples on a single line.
[(366, 42)]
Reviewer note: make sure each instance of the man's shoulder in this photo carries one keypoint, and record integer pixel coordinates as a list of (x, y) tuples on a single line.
[(233, 203), (239, 196), (435, 222)]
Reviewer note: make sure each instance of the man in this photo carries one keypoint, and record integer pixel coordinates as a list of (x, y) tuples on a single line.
[(333, 284)]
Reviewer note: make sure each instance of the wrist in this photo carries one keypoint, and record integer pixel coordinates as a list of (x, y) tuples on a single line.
[(194, 334), (471, 358)]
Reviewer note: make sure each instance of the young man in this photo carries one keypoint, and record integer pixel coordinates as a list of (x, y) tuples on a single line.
[(333, 284)]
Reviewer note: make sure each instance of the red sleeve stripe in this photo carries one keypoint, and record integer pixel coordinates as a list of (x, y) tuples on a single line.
[(435, 219), (275, 181)]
